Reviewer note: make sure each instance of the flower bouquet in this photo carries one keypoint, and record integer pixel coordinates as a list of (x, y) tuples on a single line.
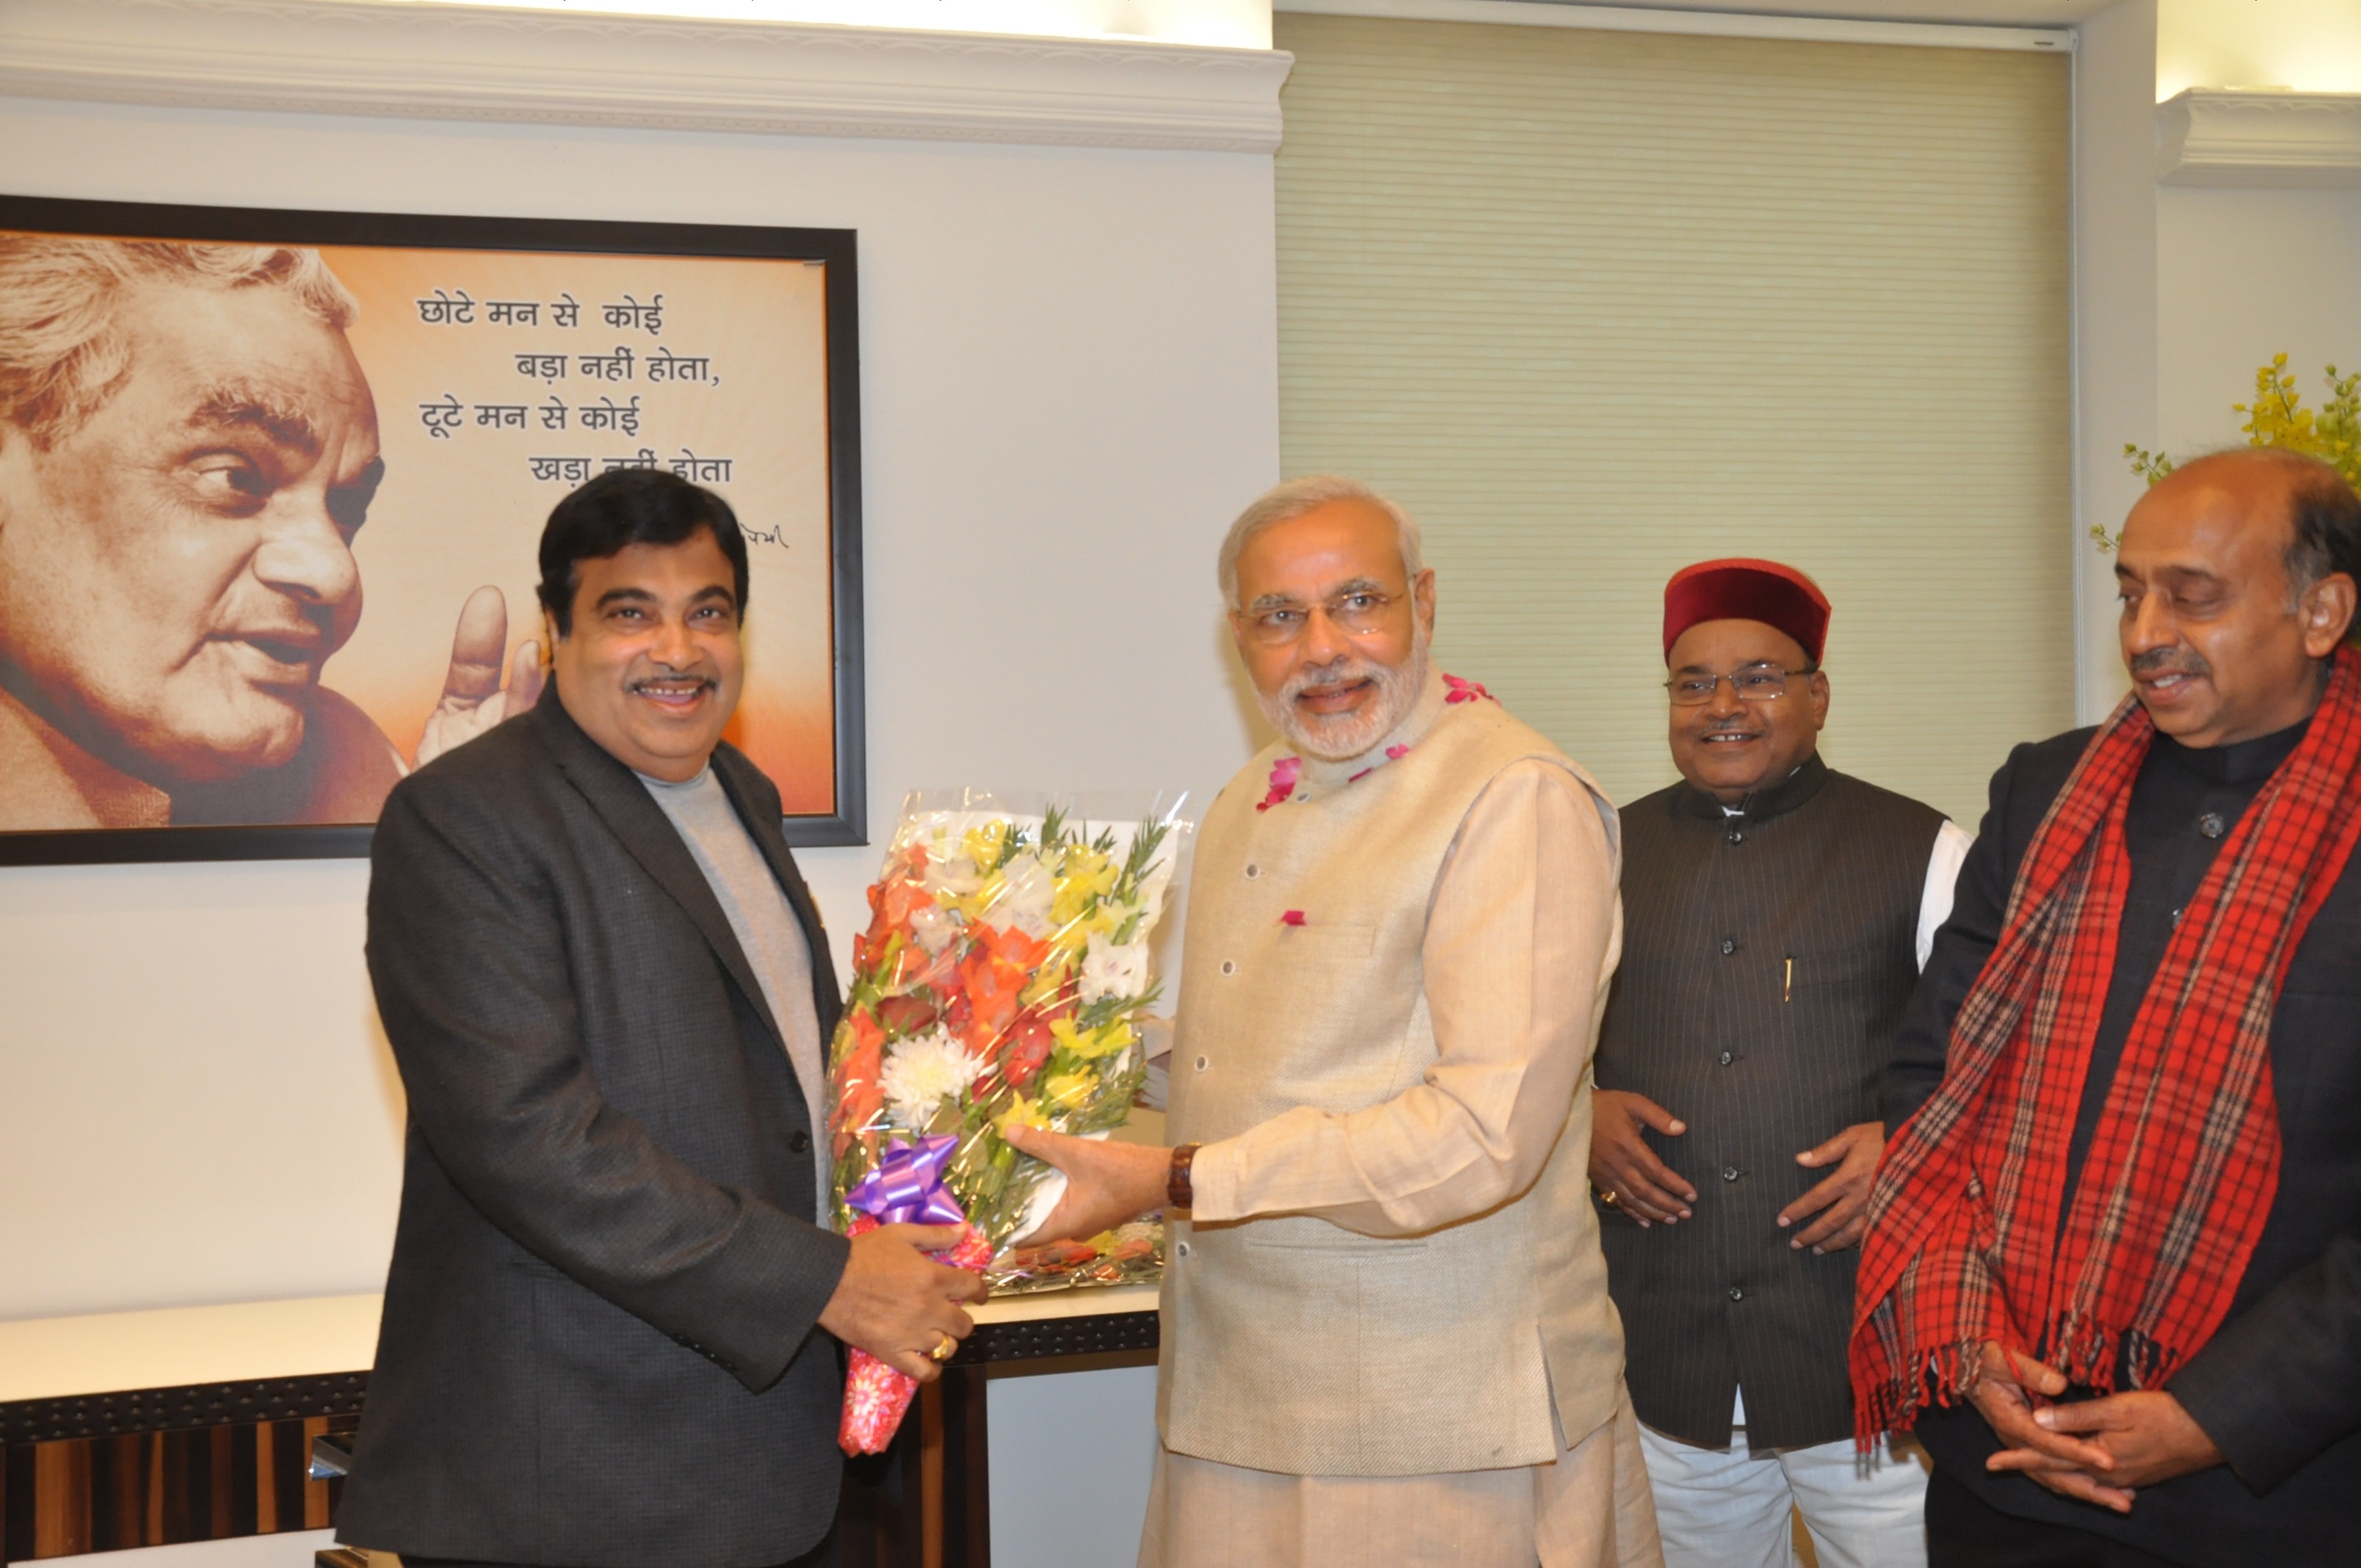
[(1128, 1254), (1003, 979)]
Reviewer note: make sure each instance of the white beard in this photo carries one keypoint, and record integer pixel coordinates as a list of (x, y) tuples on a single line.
[(1339, 738)]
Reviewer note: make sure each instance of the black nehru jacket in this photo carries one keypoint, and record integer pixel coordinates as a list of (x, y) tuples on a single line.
[(2279, 1387), (1767, 959)]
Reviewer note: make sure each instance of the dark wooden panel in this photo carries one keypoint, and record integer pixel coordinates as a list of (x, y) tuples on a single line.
[(16, 1503), (61, 1498), (290, 1458)]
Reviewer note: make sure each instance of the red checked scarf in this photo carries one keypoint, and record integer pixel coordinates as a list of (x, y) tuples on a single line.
[(1964, 1242)]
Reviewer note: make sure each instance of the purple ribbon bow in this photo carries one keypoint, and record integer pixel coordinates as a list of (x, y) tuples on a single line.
[(906, 1188)]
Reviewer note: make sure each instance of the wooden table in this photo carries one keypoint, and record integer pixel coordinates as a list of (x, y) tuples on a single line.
[(151, 1429)]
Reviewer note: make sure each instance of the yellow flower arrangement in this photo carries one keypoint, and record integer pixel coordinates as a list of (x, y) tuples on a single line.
[(2277, 418)]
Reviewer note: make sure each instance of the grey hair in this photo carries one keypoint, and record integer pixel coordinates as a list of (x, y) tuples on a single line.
[(63, 348), (1292, 498)]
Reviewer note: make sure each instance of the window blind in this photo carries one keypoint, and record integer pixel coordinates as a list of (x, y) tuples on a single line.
[(1594, 305)]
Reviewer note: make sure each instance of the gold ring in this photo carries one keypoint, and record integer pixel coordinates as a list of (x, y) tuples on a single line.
[(945, 1351), (1607, 1196)]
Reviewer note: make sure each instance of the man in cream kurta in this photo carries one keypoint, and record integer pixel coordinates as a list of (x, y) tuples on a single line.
[(1386, 1336)]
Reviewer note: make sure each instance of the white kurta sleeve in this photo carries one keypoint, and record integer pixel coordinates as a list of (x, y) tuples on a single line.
[(1518, 945), (1952, 843)]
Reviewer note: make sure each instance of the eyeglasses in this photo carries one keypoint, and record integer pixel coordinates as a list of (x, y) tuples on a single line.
[(1357, 613), (1759, 684)]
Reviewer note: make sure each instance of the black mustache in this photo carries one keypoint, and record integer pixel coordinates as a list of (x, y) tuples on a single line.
[(2171, 662)]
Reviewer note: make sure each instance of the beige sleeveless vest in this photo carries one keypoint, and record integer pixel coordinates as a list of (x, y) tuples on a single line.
[(1289, 1344)]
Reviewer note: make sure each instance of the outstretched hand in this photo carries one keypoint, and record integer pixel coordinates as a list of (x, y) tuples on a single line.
[(1107, 1184), (473, 700)]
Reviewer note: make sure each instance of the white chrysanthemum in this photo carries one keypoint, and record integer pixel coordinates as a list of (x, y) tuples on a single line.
[(921, 1072), (1109, 971)]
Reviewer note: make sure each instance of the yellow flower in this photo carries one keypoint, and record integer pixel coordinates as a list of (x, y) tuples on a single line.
[(1105, 1040), (978, 905), (1050, 979), (1068, 1091), (986, 845), (1023, 1114), (1086, 877)]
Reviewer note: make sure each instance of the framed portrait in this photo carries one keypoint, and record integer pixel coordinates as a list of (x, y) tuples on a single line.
[(272, 485)]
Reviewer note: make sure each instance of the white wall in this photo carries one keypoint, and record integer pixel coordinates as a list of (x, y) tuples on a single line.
[(1070, 385), (2244, 275), (2181, 291), (2115, 315), (1077, 1498)]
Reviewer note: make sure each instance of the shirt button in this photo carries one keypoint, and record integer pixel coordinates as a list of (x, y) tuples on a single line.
[(1736, 1294), (799, 1141), (2212, 825), (1729, 1173), (1203, 1062), (1182, 1249), (1727, 1058), (1253, 871), (1728, 946), (1735, 837), (1228, 967)]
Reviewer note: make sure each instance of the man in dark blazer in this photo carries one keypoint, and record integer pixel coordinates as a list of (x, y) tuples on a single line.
[(2237, 577), (1775, 914), (612, 1325)]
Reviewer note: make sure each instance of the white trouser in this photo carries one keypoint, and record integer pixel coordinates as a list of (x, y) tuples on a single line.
[(1728, 1507)]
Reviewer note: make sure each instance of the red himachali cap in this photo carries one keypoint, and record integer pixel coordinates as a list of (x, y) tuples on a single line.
[(1740, 590)]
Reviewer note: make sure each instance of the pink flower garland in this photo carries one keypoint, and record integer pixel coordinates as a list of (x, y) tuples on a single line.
[(1284, 773)]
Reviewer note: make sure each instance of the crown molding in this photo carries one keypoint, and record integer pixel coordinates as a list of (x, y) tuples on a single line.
[(414, 59), (2209, 137)]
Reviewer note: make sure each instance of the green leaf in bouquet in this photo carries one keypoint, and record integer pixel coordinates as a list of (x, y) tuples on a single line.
[(1142, 859)]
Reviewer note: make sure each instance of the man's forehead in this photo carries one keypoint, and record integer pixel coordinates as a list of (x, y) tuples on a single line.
[(262, 335), (1325, 550), (2202, 531), (694, 568)]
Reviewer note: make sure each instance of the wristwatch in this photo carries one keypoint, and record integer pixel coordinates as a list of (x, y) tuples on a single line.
[(1178, 1194)]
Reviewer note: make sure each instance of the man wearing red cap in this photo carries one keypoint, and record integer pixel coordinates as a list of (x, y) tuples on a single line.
[(1776, 916)]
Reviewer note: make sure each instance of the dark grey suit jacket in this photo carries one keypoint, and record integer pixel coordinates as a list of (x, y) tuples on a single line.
[(599, 1347)]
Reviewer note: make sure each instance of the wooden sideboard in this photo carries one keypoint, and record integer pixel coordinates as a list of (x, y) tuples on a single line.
[(153, 1429)]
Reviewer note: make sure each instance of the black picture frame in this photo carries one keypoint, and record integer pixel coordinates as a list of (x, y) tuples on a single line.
[(836, 248)]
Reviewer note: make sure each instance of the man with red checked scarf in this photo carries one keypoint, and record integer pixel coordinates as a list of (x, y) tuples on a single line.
[(2114, 1266)]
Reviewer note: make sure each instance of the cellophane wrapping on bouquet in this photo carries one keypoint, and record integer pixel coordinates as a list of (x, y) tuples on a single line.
[(1003, 978)]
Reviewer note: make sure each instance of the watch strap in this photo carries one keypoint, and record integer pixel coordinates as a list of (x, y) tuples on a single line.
[(1178, 1193)]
